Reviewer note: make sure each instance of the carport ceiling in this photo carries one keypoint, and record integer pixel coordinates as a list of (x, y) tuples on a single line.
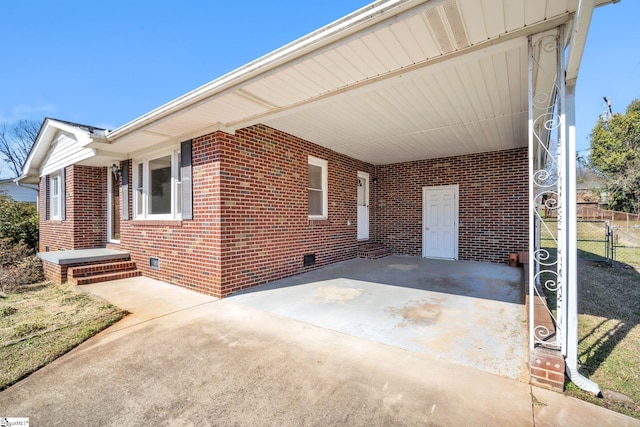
[(395, 81)]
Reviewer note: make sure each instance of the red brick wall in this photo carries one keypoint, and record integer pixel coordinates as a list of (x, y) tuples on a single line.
[(493, 190), (250, 221), (87, 205), (84, 225), (264, 193), (250, 211), (189, 251)]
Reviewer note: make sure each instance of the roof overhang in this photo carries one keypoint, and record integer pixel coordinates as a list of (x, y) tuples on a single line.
[(397, 80), (91, 149)]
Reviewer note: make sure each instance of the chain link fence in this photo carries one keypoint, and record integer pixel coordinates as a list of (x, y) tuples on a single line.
[(613, 239), (625, 241)]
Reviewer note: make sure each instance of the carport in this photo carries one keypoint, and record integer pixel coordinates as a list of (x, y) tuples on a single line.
[(404, 81), (470, 313)]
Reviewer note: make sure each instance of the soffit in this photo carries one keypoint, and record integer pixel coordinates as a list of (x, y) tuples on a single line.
[(444, 78)]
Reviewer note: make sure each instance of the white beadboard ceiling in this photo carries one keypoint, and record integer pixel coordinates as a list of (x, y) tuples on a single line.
[(421, 80)]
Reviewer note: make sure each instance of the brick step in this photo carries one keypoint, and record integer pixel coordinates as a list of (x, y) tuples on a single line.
[(105, 277), (372, 251), (96, 269), (380, 253)]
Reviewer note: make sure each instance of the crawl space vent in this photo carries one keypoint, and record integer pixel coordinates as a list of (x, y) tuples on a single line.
[(309, 259)]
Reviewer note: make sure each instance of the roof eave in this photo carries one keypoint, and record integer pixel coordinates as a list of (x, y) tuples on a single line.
[(41, 145), (328, 34)]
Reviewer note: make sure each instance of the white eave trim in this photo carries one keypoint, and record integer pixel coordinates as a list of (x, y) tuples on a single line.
[(42, 145), (578, 38), (341, 28)]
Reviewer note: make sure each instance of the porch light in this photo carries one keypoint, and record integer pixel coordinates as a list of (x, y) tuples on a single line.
[(117, 172)]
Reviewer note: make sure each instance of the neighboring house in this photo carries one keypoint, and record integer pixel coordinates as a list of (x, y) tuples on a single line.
[(418, 125), (26, 193)]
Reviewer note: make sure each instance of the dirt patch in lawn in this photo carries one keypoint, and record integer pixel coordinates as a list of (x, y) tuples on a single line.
[(41, 322)]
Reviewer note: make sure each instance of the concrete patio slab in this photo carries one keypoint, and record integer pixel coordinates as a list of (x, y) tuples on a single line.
[(469, 313)]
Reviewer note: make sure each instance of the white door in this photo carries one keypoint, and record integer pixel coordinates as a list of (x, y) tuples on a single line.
[(363, 206), (113, 207), (440, 222)]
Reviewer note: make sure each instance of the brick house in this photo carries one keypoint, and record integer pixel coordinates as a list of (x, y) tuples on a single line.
[(422, 126), (250, 219)]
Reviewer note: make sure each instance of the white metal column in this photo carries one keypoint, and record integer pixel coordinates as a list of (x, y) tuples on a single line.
[(552, 193), (545, 270)]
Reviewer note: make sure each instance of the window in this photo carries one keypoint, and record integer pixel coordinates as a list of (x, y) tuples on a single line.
[(139, 190), (158, 187), (317, 188), (55, 192)]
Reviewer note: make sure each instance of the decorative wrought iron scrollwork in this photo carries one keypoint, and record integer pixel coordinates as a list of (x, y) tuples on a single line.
[(545, 124)]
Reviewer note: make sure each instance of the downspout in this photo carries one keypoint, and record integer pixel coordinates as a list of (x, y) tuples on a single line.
[(570, 345), (577, 41)]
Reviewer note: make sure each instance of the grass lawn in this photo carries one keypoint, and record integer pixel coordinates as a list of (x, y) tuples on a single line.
[(609, 334), (41, 322), (608, 319)]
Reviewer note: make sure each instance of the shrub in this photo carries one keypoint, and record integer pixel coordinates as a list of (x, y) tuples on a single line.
[(18, 266), (18, 221)]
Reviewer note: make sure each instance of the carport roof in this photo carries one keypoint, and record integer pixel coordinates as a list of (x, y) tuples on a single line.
[(397, 80)]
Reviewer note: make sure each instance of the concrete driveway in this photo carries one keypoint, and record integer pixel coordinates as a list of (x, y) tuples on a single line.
[(185, 359)]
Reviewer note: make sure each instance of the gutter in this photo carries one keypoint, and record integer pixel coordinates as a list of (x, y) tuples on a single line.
[(33, 187), (312, 41)]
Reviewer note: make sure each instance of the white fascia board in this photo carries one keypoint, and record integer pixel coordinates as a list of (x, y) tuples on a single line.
[(39, 149), (341, 28), (578, 38), (42, 145)]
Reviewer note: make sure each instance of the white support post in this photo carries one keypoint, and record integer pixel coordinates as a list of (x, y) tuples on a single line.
[(532, 207), (563, 193)]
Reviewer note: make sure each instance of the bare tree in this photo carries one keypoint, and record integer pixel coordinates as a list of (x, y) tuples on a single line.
[(16, 141)]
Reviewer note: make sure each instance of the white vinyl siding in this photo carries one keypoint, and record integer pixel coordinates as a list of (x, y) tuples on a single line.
[(66, 150), (317, 188)]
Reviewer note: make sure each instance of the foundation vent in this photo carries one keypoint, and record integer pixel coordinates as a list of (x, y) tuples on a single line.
[(309, 259), (154, 263)]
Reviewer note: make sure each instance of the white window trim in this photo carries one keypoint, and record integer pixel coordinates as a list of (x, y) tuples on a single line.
[(174, 152), (55, 185), (325, 187)]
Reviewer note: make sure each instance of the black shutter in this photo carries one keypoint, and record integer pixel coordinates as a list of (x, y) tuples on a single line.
[(45, 197), (63, 194), (124, 190), (186, 175)]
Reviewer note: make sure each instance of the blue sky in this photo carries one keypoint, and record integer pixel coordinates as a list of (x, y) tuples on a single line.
[(105, 63)]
